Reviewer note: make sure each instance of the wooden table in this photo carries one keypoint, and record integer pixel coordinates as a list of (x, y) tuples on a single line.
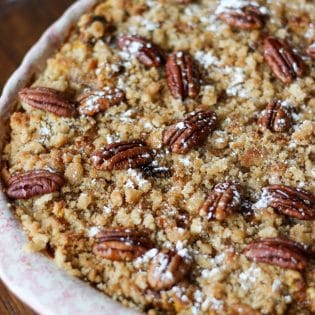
[(21, 24)]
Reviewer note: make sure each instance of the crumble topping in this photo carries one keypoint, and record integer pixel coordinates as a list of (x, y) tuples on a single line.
[(164, 198)]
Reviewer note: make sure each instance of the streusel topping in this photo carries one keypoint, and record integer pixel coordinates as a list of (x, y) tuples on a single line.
[(166, 155)]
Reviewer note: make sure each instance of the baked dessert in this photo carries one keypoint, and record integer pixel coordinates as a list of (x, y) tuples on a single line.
[(166, 155)]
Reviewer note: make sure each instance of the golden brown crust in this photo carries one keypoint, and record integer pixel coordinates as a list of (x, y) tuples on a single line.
[(235, 83)]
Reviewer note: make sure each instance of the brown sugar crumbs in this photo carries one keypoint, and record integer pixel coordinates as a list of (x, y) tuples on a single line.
[(166, 155)]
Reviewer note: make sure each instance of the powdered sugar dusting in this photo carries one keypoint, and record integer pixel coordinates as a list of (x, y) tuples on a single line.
[(237, 5), (203, 302), (144, 259), (213, 303), (137, 178), (288, 299), (180, 293), (249, 277), (210, 273), (94, 230), (107, 210), (286, 104), (44, 131), (206, 58), (310, 33), (161, 271), (181, 250), (236, 87), (180, 125), (149, 25), (276, 285), (263, 201)]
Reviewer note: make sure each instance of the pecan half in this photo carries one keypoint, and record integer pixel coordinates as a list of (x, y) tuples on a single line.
[(293, 202), (283, 61), (278, 251), (145, 51), (122, 155), (92, 102), (191, 132), (121, 244), (182, 75), (166, 269), (246, 18), (49, 100), (311, 51), (275, 117), (33, 183), (223, 200)]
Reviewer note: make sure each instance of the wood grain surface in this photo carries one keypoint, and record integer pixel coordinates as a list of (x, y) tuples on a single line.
[(21, 24)]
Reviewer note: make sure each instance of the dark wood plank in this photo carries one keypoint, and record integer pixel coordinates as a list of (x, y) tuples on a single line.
[(21, 24), (10, 305)]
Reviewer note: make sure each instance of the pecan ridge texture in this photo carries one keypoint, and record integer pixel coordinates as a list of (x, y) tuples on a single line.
[(191, 132), (223, 200), (182, 75), (122, 155), (283, 61), (121, 244), (275, 117), (247, 18), (33, 183), (49, 100), (145, 51), (293, 202), (92, 102), (166, 269), (279, 252)]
